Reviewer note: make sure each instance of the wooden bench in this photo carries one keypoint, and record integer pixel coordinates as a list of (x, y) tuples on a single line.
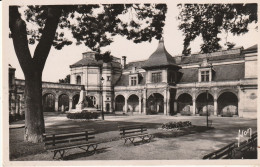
[(61, 142), (134, 131), (223, 153), (245, 146), (232, 151)]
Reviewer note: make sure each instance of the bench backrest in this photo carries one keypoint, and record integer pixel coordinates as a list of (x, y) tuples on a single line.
[(52, 140), (132, 129), (223, 152)]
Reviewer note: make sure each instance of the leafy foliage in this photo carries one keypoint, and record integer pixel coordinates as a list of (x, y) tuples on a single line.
[(208, 20), (95, 25), (83, 115), (172, 125), (65, 80)]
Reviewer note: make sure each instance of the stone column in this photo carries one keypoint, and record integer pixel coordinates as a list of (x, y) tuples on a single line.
[(165, 101), (70, 104), (144, 102), (126, 105), (140, 105), (56, 104), (168, 102), (175, 107), (215, 107), (194, 106)]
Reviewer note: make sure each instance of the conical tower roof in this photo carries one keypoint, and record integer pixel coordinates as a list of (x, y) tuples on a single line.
[(160, 58)]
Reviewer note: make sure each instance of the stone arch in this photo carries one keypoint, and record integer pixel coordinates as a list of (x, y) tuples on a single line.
[(204, 91), (49, 92), (48, 102), (227, 103), (119, 102), (184, 102), (133, 103), (203, 103), (183, 92), (63, 102), (155, 104), (227, 90)]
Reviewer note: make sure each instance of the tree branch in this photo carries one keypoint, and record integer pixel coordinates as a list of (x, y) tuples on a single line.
[(19, 35), (43, 48)]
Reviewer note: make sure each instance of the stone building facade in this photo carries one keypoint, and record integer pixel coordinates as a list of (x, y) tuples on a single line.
[(222, 83)]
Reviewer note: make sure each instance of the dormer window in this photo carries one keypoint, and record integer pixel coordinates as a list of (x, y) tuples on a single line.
[(133, 81), (205, 76), (205, 71)]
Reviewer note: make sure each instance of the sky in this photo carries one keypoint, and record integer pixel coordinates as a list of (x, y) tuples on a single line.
[(58, 62)]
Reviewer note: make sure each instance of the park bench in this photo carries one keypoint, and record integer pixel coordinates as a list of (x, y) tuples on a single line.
[(61, 142), (245, 146), (134, 131), (223, 153), (232, 151)]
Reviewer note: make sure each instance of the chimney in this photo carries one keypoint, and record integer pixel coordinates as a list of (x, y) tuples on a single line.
[(123, 61)]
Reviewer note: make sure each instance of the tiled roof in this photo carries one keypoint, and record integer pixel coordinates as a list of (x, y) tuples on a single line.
[(88, 61), (137, 64), (228, 72), (160, 58)]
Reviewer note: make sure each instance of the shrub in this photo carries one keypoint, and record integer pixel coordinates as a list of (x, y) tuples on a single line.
[(16, 117), (187, 113), (227, 114), (83, 115), (172, 125)]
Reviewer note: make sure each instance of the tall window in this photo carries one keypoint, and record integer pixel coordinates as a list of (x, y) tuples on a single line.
[(204, 76), (133, 81), (78, 80), (156, 77), (93, 99)]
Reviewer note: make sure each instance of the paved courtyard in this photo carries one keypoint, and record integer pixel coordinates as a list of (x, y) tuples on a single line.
[(191, 146)]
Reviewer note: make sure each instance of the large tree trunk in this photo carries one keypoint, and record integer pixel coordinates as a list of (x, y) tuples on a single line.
[(34, 121), (33, 67)]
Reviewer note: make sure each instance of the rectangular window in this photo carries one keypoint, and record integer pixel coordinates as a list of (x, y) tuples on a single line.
[(204, 76), (108, 78), (133, 81), (156, 77)]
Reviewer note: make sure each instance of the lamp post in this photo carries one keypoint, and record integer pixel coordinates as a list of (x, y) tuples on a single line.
[(102, 113)]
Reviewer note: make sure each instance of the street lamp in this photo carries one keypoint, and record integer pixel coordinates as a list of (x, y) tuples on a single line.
[(102, 113)]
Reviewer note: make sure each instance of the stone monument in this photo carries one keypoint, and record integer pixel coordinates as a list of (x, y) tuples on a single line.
[(82, 103)]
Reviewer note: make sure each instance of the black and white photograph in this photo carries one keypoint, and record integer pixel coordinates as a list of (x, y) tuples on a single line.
[(120, 82)]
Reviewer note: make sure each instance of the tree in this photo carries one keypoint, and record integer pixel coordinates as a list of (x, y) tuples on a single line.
[(209, 20), (65, 80), (92, 25)]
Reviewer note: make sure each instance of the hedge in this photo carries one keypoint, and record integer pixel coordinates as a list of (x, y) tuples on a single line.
[(172, 125), (16, 117), (83, 115)]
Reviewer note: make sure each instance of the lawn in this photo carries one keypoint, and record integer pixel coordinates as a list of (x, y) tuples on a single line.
[(193, 145)]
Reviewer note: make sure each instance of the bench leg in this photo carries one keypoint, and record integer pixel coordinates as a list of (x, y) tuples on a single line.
[(132, 140), (54, 154), (61, 152)]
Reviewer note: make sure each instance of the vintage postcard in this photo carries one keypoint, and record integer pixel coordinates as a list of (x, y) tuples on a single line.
[(130, 83)]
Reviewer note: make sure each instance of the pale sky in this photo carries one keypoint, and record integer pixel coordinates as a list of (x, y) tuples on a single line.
[(57, 65)]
